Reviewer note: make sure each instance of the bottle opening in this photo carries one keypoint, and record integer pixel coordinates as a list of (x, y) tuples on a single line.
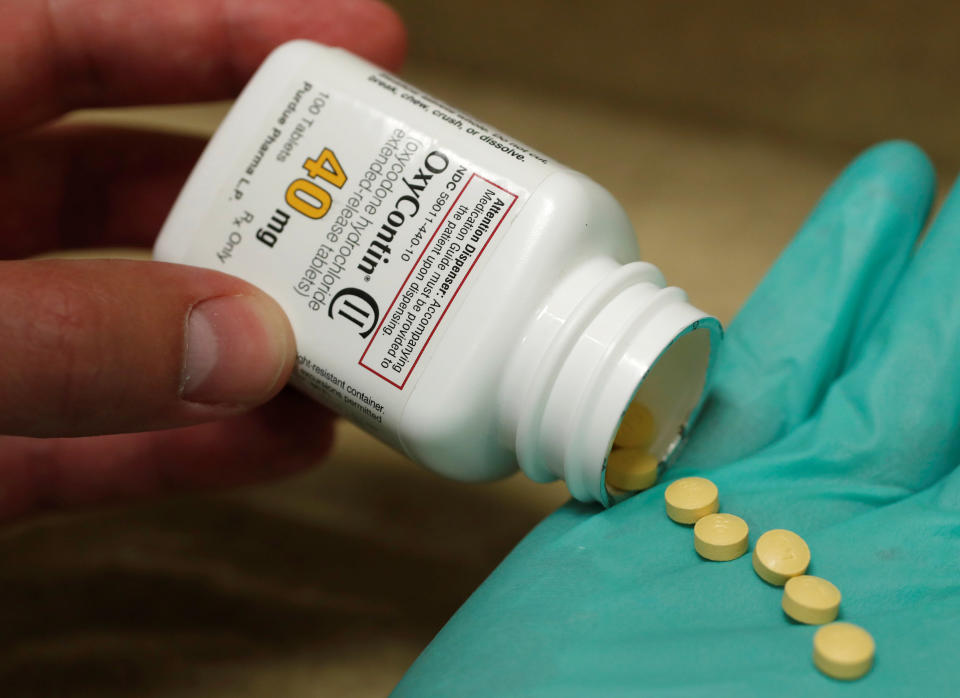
[(668, 395)]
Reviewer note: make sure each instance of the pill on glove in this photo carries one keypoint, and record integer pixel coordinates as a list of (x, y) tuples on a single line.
[(811, 600), (843, 651), (631, 469), (720, 537), (779, 555), (691, 498), (637, 428)]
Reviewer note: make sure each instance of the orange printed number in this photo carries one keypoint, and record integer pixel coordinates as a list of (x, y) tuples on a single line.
[(326, 167), (309, 198)]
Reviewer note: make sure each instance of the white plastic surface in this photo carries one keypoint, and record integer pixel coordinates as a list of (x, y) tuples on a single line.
[(540, 345)]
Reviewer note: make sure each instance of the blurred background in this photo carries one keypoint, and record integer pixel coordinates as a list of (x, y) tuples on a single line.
[(717, 125)]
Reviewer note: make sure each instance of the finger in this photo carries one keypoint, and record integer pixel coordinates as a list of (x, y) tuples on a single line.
[(85, 186), (57, 56), (107, 346), (285, 435), (892, 421), (792, 337)]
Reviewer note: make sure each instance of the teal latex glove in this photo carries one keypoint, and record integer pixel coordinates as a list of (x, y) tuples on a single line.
[(833, 412)]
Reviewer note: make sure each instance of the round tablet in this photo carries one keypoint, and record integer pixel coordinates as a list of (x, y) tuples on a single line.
[(637, 428), (843, 650), (780, 554), (811, 600), (720, 537), (631, 469), (691, 498)]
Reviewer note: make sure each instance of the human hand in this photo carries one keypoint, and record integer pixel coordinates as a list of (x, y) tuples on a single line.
[(833, 412), (125, 348)]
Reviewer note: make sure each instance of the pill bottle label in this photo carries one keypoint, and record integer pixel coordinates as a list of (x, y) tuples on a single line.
[(365, 208)]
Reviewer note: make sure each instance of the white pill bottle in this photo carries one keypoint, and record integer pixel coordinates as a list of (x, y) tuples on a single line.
[(457, 294)]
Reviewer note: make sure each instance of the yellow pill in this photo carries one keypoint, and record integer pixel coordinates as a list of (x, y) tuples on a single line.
[(843, 650), (811, 600), (721, 537), (691, 498), (637, 428), (631, 469), (780, 554)]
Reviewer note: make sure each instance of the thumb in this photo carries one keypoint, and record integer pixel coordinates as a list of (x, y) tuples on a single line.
[(106, 346)]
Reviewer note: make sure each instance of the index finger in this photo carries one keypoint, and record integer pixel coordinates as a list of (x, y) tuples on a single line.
[(60, 55), (789, 343)]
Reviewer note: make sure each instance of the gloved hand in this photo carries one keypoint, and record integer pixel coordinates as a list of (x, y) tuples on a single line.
[(833, 411)]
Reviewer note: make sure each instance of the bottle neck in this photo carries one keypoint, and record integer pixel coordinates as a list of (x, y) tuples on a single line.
[(607, 333)]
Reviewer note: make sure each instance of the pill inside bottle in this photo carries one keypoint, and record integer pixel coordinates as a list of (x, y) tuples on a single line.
[(631, 469), (636, 428), (630, 466)]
